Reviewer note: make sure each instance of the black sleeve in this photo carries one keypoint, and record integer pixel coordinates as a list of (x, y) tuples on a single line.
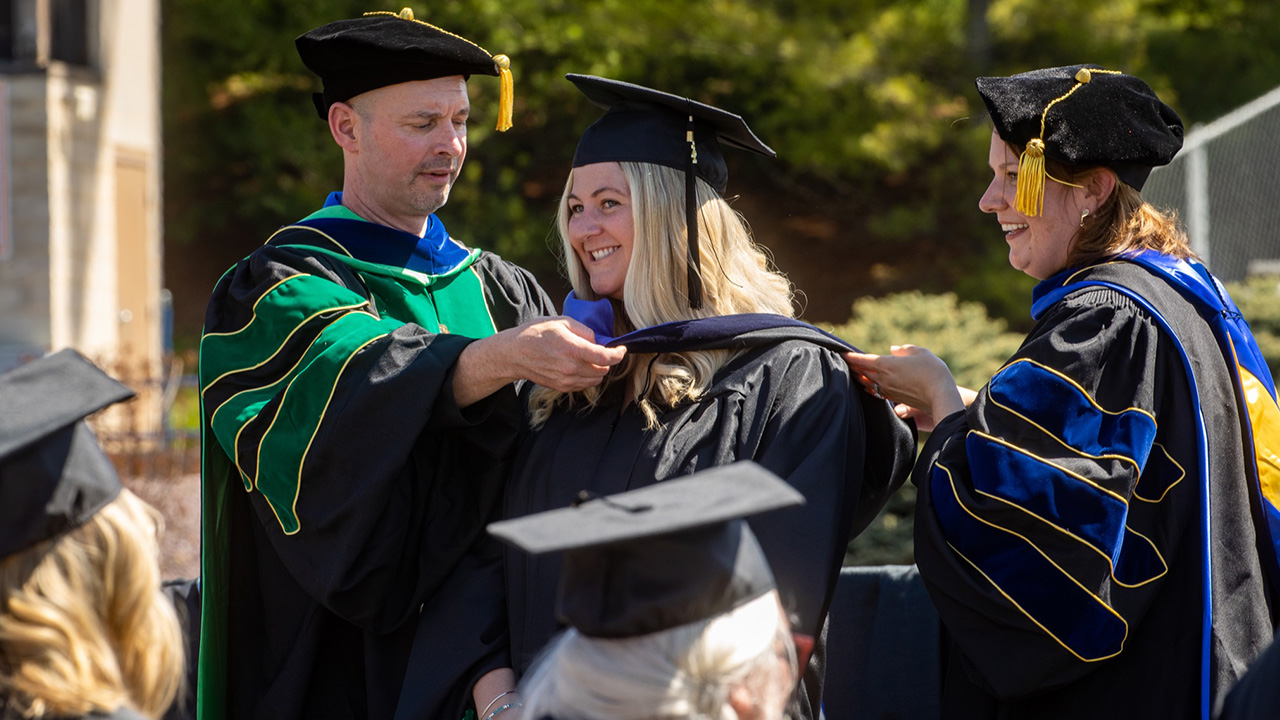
[(1022, 534), (324, 409)]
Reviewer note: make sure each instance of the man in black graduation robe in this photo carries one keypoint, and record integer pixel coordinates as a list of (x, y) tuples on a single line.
[(355, 384)]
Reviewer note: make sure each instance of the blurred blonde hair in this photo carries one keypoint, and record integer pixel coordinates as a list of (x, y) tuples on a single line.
[(84, 625), (736, 278), (684, 672)]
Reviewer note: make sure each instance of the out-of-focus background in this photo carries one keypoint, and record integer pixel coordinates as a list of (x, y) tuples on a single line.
[(146, 145)]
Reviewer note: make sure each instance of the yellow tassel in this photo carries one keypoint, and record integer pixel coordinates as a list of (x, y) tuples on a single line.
[(1030, 196), (506, 95)]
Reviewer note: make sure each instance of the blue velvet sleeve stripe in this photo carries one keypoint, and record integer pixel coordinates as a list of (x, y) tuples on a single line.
[(1038, 587), (1060, 407), (1068, 500)]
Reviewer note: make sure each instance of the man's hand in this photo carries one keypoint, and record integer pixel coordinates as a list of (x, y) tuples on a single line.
[(559, 353)]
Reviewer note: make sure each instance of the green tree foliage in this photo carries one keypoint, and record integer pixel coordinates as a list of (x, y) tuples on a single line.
[(972, 344), (870, 105), (1259, 302)]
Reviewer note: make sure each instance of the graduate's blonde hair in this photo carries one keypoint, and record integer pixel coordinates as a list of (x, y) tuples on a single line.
[(84, 624), (736, 278), (686, 672)]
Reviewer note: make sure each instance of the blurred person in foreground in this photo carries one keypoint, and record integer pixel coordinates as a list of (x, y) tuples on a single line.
[(85, 629), (671, 607), (355, 377), (1095, 524), (717, 369)]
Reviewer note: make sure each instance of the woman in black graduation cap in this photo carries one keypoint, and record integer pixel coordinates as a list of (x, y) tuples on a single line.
[(716, 369), (1092, 528), (85, 630)]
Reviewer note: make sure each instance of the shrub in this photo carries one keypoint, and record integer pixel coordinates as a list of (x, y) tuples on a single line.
[(971, 343)]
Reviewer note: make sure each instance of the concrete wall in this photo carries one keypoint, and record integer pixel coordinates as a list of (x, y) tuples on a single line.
[(83, 265)]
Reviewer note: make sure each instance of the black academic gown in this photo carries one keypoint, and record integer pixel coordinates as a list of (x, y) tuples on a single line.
[(387, 541), (1070, 582), (787, 404)]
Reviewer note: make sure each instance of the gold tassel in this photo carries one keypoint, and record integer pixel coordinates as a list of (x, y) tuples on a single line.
[(1030, 196), (506, 95)]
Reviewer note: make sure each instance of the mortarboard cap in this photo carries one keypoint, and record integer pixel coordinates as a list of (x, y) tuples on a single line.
[(1082, 115), (645, 125), (384, 48), (661, 556), (53, 475)]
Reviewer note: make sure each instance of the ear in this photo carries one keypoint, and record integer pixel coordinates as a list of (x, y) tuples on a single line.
[(1099, 185), (343, 125), (743, 702)]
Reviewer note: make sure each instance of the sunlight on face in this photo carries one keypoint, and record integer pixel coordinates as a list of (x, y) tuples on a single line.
[(1038, 246), (601, 225)]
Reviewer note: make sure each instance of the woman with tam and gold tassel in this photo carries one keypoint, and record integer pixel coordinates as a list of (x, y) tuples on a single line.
[(1096, 525)]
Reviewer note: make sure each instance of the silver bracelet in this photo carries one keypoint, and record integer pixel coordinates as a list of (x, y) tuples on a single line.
[(496, 699), (508, 706)]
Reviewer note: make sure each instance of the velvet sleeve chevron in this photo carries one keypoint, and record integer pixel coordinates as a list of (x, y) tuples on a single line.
[(1044, 522), (318, 404)]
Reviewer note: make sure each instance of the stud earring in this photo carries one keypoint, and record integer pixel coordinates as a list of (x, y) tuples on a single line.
[(1084, 215)]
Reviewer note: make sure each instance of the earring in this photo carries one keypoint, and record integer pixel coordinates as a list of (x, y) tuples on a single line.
[(1084, 215)]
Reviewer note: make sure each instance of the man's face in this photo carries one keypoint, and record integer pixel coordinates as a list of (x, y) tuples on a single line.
[(412, 141)]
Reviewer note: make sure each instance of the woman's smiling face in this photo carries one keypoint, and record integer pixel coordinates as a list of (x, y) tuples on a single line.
[(1038, 246), (601, 225)]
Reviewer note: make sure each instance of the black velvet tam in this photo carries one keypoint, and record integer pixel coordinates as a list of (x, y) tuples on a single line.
[(1094, 117), (646, 125), (659, 557), (53, 475), (380, 49)]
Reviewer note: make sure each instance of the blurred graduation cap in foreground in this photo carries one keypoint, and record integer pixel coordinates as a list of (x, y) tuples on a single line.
[(651, 126), (661, 556), (53, 474)]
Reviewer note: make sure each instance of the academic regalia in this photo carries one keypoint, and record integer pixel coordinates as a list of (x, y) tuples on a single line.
[(1257, 695), (650, 560), (353, 514), (53, 475), (1060, 523), (786, 402)]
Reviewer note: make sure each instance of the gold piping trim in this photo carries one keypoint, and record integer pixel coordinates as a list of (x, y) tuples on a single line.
[(302, 461), (321, 233), (235, 444), (254, 309), (1033, 456), (1176, 464), (280, 347), (1066, 574)]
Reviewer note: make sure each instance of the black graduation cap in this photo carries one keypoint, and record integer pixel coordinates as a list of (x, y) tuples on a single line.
[(661, 556), (1082, 115), (646, 125), (53, 475), (385, 48)]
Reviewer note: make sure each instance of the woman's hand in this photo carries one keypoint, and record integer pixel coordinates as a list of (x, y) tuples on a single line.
[(915, 380)]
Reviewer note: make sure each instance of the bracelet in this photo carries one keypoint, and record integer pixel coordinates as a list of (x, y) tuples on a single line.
[(508, 706), (491, 702)]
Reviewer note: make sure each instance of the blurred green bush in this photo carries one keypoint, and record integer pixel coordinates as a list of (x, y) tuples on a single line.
[(1259, 301), (973, 345)]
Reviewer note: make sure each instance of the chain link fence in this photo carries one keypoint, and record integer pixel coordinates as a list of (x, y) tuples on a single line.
[(1225, 187)]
